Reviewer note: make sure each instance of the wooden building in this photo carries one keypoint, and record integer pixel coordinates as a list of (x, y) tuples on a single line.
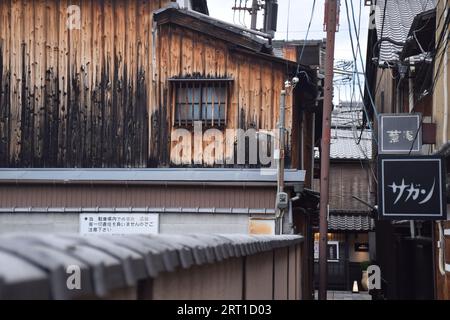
[(441, 106), (401, 76), (352, 192), (142, 106), (102, 91)]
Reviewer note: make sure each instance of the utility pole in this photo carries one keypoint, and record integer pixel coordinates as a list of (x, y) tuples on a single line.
[(331, 24), (253, 10)]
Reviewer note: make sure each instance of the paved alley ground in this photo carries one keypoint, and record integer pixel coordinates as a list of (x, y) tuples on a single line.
[(345, 295)]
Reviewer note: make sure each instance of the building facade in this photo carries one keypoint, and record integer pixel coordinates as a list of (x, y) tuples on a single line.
[(352, 193), (143, 107), (405, 74)]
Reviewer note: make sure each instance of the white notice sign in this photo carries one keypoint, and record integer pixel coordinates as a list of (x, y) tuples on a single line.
[(118, 223)]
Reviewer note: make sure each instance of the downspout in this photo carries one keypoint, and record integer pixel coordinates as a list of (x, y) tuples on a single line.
[(441, 248), (441, 242), (399, 99), (445, 83), (412, 226), (411, 90), (290, 213), (280, 156)]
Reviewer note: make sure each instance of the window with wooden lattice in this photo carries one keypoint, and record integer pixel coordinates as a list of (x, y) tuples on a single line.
[(204, 100)]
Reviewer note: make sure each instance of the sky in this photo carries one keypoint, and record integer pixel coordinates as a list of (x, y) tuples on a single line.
[(294, 16)]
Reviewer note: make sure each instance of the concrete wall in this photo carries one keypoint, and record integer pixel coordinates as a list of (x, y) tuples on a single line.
[(169, 223)]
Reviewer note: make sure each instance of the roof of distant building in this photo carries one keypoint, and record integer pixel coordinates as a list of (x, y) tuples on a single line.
[(350, 140), (339, 222), (344, 144), (313, 54)]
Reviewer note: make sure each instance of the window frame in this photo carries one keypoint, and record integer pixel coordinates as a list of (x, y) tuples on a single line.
[(200, 84)]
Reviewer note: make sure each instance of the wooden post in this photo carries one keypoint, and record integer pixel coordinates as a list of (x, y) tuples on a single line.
[(331, 20)]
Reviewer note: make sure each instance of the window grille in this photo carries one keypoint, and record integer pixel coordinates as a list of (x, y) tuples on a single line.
[(204, 100)]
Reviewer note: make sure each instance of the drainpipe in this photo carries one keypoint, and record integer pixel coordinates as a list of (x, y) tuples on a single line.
[(441, 242), (281, 139), (411, 90), (290, 225), (280, 156), (445, 83), (441, 248), (402, 70), (412, 226)]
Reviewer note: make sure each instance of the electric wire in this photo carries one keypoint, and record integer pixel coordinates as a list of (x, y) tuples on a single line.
[(360, 55), (307, 35), (358, 78)]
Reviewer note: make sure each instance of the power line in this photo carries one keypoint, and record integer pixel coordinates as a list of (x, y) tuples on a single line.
[(441, 38), (360, 55), (438, 53), (307, 34), (287, 24), (442, 53), (356, 67), (305, 31), (383, 24), (357, 139), (435, 50)]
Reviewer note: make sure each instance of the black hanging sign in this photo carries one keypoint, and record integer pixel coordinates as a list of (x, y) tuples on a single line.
[(412, 188)]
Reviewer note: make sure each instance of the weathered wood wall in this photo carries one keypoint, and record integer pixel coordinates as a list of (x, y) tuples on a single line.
[(75, 97), (98, 95), (348, 180), (255, 91)]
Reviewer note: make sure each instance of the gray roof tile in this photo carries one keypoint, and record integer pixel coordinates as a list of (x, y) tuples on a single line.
[(351, 223), (344, 145), (397, 23)]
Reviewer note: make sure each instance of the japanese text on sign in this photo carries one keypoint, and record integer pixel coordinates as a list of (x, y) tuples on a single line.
[(400, 133), (412, 188), (119, 224)]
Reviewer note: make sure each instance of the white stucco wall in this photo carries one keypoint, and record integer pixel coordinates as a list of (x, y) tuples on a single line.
[(169, 223)]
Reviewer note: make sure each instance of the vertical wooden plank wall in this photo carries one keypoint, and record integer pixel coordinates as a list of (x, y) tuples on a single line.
[(98, 95), (255, 92), (76, 97)]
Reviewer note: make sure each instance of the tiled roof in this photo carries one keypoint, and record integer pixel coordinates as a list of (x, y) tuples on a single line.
[(344, 144), (350, 223), (346, 121), (397, 23)]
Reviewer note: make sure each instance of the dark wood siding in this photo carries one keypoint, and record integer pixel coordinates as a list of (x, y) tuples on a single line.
[(99, 96), (348, 180), (75, 98), (136, 196)]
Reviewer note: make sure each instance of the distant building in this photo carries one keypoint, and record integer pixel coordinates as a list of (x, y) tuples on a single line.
[(136, 107), (351, 224), (405, 75)]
